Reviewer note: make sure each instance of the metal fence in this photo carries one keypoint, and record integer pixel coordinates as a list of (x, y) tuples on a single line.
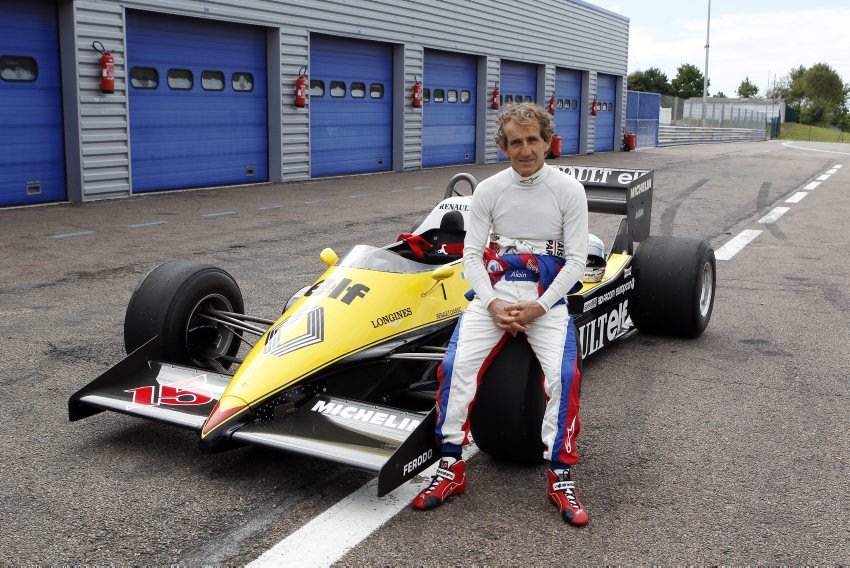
[(678, 135), (681, 122), (688, 112)]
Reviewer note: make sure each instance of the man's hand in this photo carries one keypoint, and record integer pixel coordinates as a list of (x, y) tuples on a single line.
[(504, 318), (525, 312)]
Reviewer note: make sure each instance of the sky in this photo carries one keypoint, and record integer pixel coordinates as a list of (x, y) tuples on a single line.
[(759, 39)]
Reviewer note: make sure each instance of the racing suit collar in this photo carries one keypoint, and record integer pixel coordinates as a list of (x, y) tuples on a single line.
[(534, 179)]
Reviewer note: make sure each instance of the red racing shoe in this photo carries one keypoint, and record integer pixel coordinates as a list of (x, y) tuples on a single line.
[(562, 492), (449, 480)]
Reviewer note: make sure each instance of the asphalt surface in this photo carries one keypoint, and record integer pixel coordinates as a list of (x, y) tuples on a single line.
[(733, 448)]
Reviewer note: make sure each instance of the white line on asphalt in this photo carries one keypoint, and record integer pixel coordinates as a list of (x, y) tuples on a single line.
[(838, 166), (824, 177), (328, 537), (314, 201), (267, 207), (737, 243), (422, 187), (360, 195), (74, 234), (775, 214), (832, 171), (219, 214), (789, 145), (797, 197), (148, 224), (812, 185)]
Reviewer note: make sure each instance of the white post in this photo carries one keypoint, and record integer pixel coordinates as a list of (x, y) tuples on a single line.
[(705, 74)]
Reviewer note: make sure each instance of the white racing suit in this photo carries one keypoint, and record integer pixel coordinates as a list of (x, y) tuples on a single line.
[(552, 338)]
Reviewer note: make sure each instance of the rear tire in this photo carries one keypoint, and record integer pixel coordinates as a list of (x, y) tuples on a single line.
[(508, 413), (166, 303), (674, 293)]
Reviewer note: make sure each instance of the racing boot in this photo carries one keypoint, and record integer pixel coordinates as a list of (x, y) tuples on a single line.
[(449, 480), (562, 492)]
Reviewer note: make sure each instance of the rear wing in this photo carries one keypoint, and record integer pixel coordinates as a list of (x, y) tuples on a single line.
[(618, 191)]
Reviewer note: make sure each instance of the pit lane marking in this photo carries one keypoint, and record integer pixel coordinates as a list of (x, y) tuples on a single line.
[(148, 224), (797, 197), (774, 214), (329, 536), (736, 244), (74, 234), (812, 185), (219, 214)]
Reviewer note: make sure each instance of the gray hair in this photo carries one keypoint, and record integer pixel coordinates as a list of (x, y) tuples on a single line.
[(525, 114)]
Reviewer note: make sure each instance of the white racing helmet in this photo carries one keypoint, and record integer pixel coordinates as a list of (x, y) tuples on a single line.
[(595, 268)]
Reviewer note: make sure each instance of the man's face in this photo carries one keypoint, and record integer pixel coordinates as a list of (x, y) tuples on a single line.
[(525, 147)]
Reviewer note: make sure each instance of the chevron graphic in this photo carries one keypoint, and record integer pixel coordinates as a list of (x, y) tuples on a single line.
[(315, 333)]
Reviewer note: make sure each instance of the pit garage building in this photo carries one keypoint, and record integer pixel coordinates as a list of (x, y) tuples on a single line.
[(205, 91)]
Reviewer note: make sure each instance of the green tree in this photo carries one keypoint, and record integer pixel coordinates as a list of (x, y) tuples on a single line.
[(719, 95), (653, 80), (747, 89), (796, 88), (818, 93), (822, 82), (688, 81), (816, 111)]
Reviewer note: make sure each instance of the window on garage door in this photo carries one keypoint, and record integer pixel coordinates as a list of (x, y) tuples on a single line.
[(180, 79), (337, 89), (144, 78), (376, 90), (212, 80), (358, 90), (242, 81), (18, 69), (317, 88)]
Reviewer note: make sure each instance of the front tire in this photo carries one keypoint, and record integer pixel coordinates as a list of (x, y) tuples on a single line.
[(676, 280), (168, 302)]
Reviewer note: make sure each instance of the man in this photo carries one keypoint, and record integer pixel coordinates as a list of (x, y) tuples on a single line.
[(537, 218)]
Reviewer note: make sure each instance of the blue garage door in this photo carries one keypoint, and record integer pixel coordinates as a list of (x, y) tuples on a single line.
[(448, 104), (198, 113), (517, 84), (606, 96), (32, 151), (567, 109), (351, 104)]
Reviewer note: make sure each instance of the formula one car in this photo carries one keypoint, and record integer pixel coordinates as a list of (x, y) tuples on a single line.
[(348, 371)]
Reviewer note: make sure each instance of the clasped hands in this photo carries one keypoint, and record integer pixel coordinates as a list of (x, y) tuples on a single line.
[(514, 318)]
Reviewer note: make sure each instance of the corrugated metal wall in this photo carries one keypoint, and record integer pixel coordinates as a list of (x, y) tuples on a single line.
[(587, 38)]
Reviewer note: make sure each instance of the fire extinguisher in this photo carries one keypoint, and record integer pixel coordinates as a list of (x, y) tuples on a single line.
[(417, 93), (594, 107), (107, 69), (494, 101), (301, 88), (552, 105)]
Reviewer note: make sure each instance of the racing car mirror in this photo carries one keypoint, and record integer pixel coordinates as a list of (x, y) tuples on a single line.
[(443, 272), (439, 274), (328, 256)]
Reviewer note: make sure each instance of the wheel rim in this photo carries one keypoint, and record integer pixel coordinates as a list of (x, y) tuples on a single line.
[(205, 339), (706, 289)]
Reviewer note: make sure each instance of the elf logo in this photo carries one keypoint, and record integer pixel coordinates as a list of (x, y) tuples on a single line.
[(595, 334), (335, 289)]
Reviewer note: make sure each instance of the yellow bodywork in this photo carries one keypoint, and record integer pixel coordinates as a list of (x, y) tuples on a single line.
[(346, 311)]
